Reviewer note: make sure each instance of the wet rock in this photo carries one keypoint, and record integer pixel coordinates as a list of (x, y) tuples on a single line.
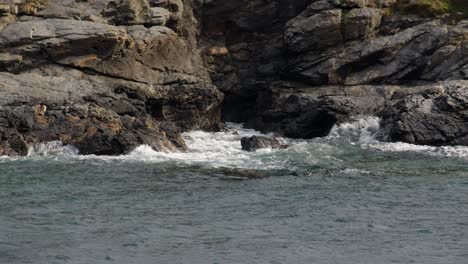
[(12, 144), (104, 89), (434, 115), (323, 43), (103, 115), (309, 112), (108, 75), (257, 142)]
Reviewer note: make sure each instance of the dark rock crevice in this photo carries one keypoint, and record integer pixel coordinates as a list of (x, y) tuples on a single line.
[(107, 76), (274, 76)]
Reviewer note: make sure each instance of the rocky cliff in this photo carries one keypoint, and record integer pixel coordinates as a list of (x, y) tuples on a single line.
[(106, 76), (299, 67)]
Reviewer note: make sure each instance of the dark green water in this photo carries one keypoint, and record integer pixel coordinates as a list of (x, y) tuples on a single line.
[(336, 200)]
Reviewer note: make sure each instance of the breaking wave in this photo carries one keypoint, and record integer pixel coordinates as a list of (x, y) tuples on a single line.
[(53, 148), (363, 131), (217, 149), (223, 149)]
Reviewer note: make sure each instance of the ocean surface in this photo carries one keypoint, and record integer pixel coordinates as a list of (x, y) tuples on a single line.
[(345, 198)]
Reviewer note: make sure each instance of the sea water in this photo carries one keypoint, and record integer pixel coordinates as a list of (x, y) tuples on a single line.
[(345, 198)]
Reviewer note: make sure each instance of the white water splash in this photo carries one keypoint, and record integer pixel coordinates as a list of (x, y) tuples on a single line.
[(53, 148), (362, 130), (223, 149), (444, 151), (219, 149)]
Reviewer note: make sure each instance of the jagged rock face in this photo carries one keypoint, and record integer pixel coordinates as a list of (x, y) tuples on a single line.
[(273, 75), (104, 84), (243, 47), (108, 75), (436, 115), (432, 114)]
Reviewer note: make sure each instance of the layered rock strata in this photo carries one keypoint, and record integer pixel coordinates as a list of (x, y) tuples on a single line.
[(104, 81), (108, 75), (299, 67)]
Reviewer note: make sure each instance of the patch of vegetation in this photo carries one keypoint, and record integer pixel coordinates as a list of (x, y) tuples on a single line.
[(434, 8), (425, 8)]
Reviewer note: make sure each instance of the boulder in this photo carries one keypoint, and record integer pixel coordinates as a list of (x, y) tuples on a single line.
[(309, 112), (435, 115), (257, 142), (100, 115)]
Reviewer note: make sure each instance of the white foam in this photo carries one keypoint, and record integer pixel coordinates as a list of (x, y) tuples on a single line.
[(361, 130), (52, 148), (445, 151), (219, 149), (223, 149)]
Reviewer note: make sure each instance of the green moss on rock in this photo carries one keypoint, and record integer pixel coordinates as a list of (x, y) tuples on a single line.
[(433, 8)]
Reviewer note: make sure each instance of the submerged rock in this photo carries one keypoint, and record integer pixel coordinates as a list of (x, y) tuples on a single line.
[(256, 142)]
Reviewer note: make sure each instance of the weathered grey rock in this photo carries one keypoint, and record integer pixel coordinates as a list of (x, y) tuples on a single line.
[(102, 88), (127, 12), (174, 11), (308, 112), (312, 31), (102, 115), (143, 12), (436, 115), (432, 114), (361, 22), (323, 43), (109, 75), (61, 38), (145, 54), (256, 142)]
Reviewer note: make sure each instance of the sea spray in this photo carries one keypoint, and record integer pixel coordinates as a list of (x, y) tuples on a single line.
[(360, 130), (223, 149), (213, 149), (52, 148)]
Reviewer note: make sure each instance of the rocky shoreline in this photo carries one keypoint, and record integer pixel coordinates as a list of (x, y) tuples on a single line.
[(106, 76)]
